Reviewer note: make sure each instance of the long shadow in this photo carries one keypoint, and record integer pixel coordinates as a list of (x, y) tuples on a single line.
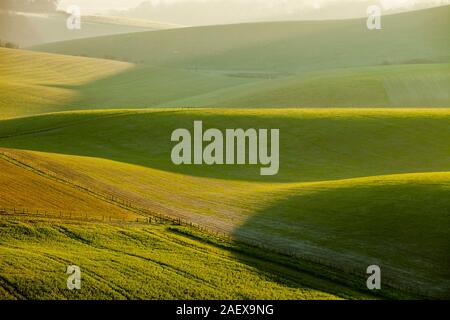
[(144, 86), (314, 145), (289, 271), (402, 226)]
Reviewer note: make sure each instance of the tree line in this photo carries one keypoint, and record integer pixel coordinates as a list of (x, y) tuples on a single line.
[(8, 44)]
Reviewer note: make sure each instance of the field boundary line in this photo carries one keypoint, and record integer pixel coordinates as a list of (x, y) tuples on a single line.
[(73, 216), (53, 177), (111, 199)]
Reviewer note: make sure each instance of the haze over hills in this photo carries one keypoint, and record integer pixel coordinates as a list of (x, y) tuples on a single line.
[(27, 29), (351, 183), (213, 12), (283, 64), (85, 125), (280, 46)]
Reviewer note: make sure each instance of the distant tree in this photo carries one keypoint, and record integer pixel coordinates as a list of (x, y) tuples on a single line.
[(7, 44)]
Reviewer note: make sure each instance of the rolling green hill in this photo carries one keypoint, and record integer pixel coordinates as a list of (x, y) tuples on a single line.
[(365, 183), (279, 64), (34, 83), (407, 68), (280, 47), (315, 144), (28, 190), (351, 182)]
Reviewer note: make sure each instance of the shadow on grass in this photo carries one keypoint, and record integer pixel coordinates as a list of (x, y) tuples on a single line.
[(314, 145), (402, 226)]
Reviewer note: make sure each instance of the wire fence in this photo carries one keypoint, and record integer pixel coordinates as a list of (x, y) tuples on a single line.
[(73, 215), (86, 217), (147, 216)]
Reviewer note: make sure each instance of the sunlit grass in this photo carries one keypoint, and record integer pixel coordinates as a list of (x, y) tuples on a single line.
[(121, 262)]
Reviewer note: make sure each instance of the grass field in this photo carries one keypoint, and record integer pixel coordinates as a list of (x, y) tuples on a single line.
[(142, 262), (28, 190), (192, 264), (316, 145), (416, 76), (390, 173), (34, 83), (298, 64), (280, 47), (364, 175)]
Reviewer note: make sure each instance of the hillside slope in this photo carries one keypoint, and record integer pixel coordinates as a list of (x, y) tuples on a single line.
[(419, 36), (315, 144), (141, 262), (33, 83), (278, 64), (340, 204), (28, 191), (28, 29)]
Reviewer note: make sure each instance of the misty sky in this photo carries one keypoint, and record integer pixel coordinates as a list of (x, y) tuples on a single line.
[(105, 5), (179, 11)]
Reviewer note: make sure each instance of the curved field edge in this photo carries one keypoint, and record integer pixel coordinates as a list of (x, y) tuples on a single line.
[(37, 83), (306, 64), (34, 83), (25, 189), (295, 46), (315, 144), (400, 222), (29, 236), (277, 64)]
